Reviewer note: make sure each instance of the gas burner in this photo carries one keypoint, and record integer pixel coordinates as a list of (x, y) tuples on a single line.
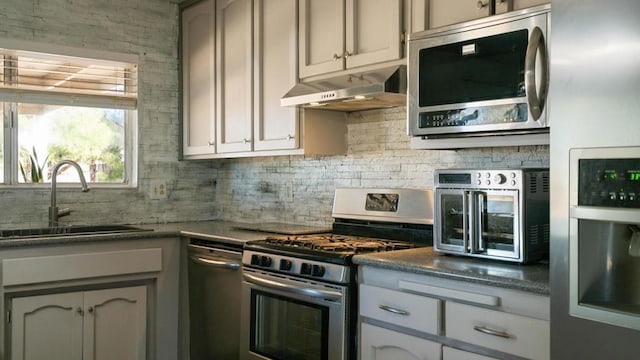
[(335, 243)]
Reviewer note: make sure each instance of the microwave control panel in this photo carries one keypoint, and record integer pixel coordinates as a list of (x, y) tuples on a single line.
[(609, 182), (484, 115)]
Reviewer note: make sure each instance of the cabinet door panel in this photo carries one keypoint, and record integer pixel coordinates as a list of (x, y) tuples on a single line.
[(321, 36), (455, 354), (275, 72), (198, 76), (383, 344), (115, 324), (234, 68), (47, 327), (373, 31), (446, 12), (503, 6)]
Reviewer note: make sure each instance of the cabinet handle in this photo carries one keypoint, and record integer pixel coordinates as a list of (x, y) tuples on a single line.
[(394, 310), (488, 331), (80, 311), (336, 57), (90, 310), (211, 143), (289, 137), (481, 4)]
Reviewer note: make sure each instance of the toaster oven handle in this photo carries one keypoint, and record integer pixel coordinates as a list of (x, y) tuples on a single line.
[(536, 100), (466, 221), (479, 226)]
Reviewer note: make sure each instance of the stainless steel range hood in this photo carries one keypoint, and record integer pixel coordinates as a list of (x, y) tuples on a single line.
[(374, 89)]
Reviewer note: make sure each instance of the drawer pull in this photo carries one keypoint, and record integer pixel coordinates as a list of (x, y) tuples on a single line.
[(394, 310), (488, 331)]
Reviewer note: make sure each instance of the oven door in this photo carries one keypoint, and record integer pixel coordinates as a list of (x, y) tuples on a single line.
[(482, 223), (285, 318)]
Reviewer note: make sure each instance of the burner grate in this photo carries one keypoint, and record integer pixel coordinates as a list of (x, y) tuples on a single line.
[(335, 243)]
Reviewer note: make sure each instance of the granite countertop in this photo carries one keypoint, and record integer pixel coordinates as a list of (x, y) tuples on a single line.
[(531, 277)]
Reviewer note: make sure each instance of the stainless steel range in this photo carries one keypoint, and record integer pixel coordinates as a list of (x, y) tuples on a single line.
[(299, 292)]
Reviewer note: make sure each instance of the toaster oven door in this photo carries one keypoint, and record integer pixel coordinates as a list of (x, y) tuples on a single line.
[(481, 223)]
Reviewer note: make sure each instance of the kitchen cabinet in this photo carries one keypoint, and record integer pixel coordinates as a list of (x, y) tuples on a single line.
[(446, 12), (336, 35), (503, 6), (92, 299), (485, 321), (198, 79), (379, 344), (99, 324), (249, 61)]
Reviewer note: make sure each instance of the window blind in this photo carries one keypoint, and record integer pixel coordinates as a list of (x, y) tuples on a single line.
[(28, 77)]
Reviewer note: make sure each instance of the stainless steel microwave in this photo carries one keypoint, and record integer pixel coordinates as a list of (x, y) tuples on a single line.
[(493, 214), (482, 77)]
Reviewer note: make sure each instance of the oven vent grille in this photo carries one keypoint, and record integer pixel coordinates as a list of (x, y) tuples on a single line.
[(545, 182), (533, 234), (538, 182), (533, 184), (546, 233)]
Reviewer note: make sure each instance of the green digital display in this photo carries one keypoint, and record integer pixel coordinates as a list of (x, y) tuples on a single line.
[(633, 175), (610, 175)]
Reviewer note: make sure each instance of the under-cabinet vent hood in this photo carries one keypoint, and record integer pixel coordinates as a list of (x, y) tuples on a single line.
[(374, 89)]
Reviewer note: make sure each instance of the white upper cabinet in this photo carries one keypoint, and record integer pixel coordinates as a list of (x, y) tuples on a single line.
[(235, 71), (276, 71), (342, 34), (198, 78), (503, 6), (447, 12)]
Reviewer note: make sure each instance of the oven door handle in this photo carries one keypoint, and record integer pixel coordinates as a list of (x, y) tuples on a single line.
[(215, 263), (316, 293)]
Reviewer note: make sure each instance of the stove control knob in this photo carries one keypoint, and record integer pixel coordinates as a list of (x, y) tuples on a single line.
[(255, 260), (285, 264), (305, 269), (317, 270), (265, 261)]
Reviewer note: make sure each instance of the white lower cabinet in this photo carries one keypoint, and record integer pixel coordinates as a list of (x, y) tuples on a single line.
[(99, 324), (412, 316), (383, 344)]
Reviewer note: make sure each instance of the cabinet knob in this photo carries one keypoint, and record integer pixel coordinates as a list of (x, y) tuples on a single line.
[(481, 4), (347, 54), (245, 141), (211, 143), (80, 311), (289, 137), (336, 57), (90, 310)]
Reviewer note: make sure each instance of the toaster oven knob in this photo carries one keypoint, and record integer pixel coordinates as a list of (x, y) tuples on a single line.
[(499, 179), (317, 270)]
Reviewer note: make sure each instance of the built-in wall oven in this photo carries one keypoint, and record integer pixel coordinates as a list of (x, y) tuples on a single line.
[(299, 293), (496, 214), (482, 77)]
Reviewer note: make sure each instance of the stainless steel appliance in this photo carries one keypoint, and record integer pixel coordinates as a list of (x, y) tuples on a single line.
[(214, 300), (493, 214), (299, 293), (595, 82), (482, 77)]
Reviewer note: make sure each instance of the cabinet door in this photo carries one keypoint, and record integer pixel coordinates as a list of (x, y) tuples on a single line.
[(275, 72), (417, 15), (115, 324), (447, 12), (455, 354), (234, 68), (321, 36), (198, 79), (47, 327), (382, 344), (373, 31), (503, 6)]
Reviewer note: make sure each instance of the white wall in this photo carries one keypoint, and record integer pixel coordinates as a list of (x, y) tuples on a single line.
[(148, 29), (378, 156)]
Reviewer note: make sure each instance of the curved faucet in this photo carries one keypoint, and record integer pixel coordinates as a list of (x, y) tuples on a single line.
[(54, 214)]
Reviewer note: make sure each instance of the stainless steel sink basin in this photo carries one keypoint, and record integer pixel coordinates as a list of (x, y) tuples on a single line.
[(69, 230)]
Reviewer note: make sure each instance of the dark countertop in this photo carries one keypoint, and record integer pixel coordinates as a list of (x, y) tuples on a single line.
[(531, 278)]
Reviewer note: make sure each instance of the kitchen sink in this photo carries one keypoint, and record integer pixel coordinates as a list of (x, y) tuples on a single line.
[(69, 230)]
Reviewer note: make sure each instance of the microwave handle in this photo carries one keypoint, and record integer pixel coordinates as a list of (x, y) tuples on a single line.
[(534, 100)]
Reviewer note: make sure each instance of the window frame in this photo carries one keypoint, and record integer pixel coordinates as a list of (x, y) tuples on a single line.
[(9, 112)]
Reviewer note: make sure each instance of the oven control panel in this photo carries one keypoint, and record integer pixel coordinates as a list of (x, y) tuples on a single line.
[(609, 182), (296, 266)]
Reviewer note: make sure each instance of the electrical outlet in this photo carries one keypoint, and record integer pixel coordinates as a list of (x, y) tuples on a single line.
[(158, 190)]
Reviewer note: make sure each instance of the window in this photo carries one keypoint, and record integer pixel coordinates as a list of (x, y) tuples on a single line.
[(57, 107)]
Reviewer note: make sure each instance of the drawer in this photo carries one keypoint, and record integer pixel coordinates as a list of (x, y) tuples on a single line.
[(403, 309), (514, 334), (455, 354), (383, 344)]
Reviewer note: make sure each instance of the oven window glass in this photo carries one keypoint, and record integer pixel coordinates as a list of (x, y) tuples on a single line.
[(498, 219), (287, 329), (475, 70), (452, 216)]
